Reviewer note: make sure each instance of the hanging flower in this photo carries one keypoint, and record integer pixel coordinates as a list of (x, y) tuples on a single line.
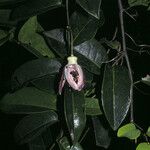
[(73, 74)]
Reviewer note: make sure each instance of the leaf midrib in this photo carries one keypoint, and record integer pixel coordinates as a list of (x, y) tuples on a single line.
[(113, 92)]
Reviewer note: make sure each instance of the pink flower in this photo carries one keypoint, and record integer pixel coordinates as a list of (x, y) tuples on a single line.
[(73, 74)]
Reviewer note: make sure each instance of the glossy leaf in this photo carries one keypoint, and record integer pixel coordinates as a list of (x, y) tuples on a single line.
[(129, 131), (33, 125), (91, 54), (83, 27), (63, 144), (143, 146), (92, 107), (77, 146), (115, 94), (46, 83), (102, 137), (37, 144), (93, 8), (27, 101), (138, 2), (146, 80), (34, 7), (35, 69), (74, 113), (28, 35), (148, 132)]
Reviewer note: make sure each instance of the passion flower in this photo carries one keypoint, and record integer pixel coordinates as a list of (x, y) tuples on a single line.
[(73, 74)]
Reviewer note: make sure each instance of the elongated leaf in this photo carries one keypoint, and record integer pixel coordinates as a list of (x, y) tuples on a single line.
[(146, 80), (138, 2), (34, 7), (63, 144), (27, 101), (74, 113), (3, 41), (83, 27), (3, 37), (46, 83), (77, 146), (28, 35), (5, 18), (91, 54), (143, 146), (37, 144), (47, 137), (35, 69), (3, 34), (10, 2), (130, 131), (92, 107), (115, 94), (33, 125), (93, 8), (101, 134), (148, 131)]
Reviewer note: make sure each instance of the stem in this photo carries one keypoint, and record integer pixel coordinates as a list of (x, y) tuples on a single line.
[(126, 56), (84, 135), (68, 30)]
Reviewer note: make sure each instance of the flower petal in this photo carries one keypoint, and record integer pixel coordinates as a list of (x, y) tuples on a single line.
[(62, 83), (74, 76)]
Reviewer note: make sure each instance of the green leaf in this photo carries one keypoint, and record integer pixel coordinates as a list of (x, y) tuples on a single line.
[(77, 146), (148, 132), (46, 83), (48, 138), (115, 94), (34, 7), (148, 9), (138, 2), (33, 125), (91, 54), (129, 131), (28, 100), (3, 34), (112, 44), (93, 8), (92, 107), (146, 80), (143, 146), (5, 18), (28, 35), (10, 2), (88, 76), (101, 134), (37, 144), (83, 27), (3, 37), (63, 144), (74, 113), (35, 69)]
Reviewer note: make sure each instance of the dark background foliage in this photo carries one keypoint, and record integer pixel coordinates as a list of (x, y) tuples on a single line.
[(12, 56)]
